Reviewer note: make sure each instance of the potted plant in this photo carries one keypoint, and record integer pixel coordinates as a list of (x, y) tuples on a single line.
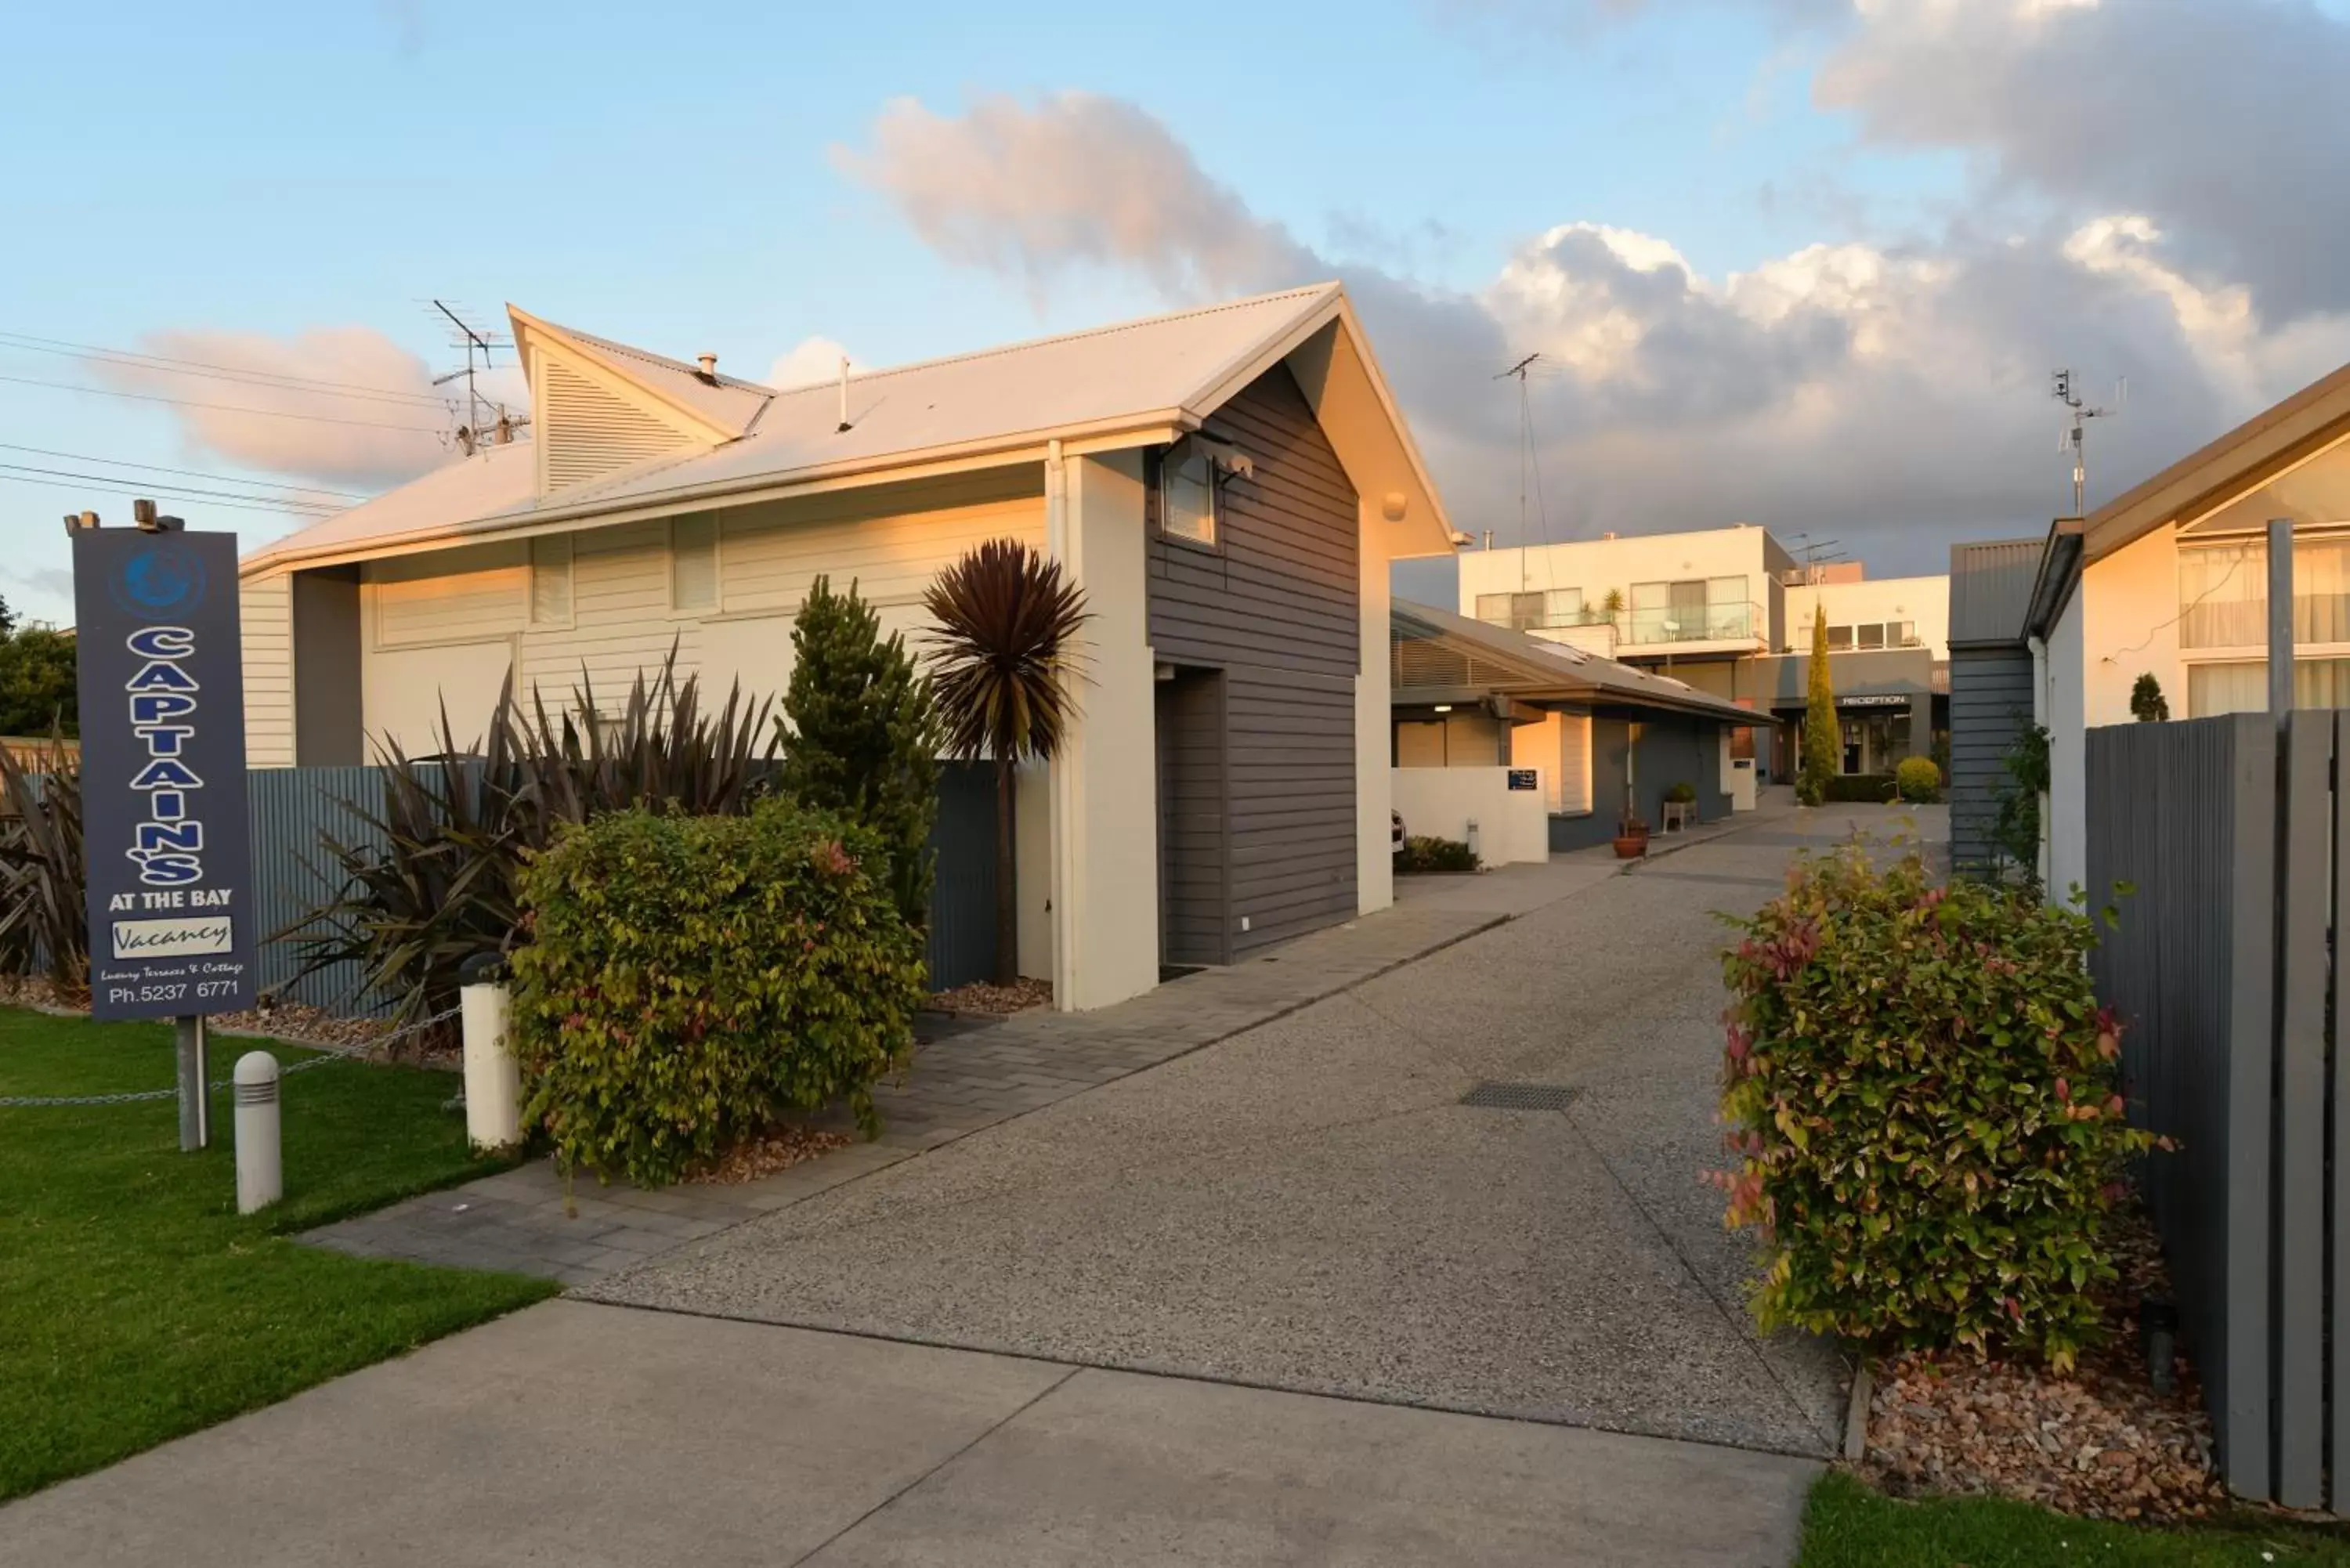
[(1631, 837), (1681, 806)]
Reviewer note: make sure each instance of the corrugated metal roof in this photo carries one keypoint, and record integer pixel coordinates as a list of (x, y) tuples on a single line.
[(1168, 367), (1991, 589), (1553, 668)]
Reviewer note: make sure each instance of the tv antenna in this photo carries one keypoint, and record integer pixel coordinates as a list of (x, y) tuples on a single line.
[(1526, 460), (478, 344), (2072, 438)]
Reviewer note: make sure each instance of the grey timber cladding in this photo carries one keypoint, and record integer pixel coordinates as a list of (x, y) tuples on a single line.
[(1990, 702), (1276, 607), (1991, 589)]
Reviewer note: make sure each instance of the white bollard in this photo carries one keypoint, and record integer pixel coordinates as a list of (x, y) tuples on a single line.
[(493, 1079), (260, 1170)]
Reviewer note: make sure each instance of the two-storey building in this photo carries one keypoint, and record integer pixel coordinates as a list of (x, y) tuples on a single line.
[(1730, 611)]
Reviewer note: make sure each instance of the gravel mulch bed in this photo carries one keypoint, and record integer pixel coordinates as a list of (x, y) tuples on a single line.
[(776, 1150), (979, 996), (2100, 1443), (296, 1022)]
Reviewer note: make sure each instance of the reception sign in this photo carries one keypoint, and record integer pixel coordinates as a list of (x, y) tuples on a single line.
[(166, 840)]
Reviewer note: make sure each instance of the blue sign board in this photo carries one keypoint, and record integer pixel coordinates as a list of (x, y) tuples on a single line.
[(1524, 778), (166, 842)]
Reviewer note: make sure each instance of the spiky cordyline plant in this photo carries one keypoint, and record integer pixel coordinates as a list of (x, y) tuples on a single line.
[(1003, 667), (436, 887), (44, 916)]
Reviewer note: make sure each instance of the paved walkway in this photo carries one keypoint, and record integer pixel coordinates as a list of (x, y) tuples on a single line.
[(526, 1221), (593, 1437), (1327, 1204)]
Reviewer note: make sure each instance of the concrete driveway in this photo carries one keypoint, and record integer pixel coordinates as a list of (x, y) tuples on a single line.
[(1513, 1308), (1311, 1207)]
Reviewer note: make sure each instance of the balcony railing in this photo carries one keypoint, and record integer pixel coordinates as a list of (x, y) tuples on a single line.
[(1692, 623), (1551, 620), (1648, 627)]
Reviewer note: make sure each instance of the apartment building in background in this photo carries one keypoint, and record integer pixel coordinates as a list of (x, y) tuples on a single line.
[(1730, 611)]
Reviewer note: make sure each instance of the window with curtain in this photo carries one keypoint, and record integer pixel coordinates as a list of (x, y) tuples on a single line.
[(2244, 688), (550, 580), (1839, 639), (2223, 594), (693, 563), (1871, 635), (1187, 493)]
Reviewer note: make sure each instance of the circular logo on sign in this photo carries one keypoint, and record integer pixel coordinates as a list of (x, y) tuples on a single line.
[(160, 579)]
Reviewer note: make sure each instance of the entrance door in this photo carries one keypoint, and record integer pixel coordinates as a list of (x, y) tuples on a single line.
[(1855, 746), (1194, 881)]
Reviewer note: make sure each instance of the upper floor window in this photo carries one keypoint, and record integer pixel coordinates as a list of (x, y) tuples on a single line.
[(1869, 634), (2223, 594), (693, 563), (1839, 639), (550, 580), (1531, 610), (1188, 499)]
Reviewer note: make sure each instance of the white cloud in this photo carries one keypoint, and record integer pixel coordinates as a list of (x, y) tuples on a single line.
[(1075, 177), (1895, 393), (343, 405), (807, 362)]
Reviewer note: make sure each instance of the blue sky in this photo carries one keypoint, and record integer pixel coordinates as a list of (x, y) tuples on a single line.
[(673, 178)]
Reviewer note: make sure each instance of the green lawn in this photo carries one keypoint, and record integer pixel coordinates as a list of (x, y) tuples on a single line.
[(1849, 1525), (135, 1304)]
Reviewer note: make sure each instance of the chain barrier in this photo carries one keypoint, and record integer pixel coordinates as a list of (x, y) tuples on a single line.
[(326, 1054)]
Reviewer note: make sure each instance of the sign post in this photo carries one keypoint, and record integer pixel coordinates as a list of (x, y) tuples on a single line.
[(166, 840)]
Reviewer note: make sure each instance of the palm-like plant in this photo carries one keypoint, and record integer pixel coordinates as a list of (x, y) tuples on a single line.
[(1005, 666)]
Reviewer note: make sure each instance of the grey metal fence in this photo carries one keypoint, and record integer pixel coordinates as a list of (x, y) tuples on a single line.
[(2223, 969), (293, 809)]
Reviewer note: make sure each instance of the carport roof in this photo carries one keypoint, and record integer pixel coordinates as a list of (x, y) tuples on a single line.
[(1460, 655)]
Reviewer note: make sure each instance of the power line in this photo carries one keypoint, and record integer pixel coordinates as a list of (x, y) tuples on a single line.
[(170, 365), (223, 408), (191, 473), (82, 488), (177, 492)]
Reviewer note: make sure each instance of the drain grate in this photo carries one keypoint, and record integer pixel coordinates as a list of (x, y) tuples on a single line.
[(1522, 1096)]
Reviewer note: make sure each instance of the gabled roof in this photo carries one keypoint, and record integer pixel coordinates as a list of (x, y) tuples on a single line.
[(2270, 443), (1991, 590), (729, 406), (1511, 663), (1124, 385)]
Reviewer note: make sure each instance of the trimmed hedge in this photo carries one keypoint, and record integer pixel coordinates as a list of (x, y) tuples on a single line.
[(1849, 787), (1435, 855), (687, 981), (1918, 780), (1924, 1104)]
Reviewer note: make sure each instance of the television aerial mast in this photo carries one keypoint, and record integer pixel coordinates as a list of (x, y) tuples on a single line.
[(2071, 441), (477, 342)]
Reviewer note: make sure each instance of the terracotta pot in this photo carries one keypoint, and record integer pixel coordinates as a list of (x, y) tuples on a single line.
[(1631, 846)]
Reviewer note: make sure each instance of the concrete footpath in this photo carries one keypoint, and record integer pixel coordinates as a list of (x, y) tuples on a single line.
[(588, 1436)]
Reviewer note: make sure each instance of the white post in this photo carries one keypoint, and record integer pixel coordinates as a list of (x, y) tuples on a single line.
[(260, 1168), (493, 1077)]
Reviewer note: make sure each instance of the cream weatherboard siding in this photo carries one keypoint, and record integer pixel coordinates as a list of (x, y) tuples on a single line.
[(265, 606), (444, 625)]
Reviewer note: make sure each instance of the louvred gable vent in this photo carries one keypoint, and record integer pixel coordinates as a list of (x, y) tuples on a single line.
[(586, 432), (1423, 663)]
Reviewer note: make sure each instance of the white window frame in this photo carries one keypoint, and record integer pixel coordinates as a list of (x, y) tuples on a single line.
[(717, 605), (571, 617), (1169, 460)]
